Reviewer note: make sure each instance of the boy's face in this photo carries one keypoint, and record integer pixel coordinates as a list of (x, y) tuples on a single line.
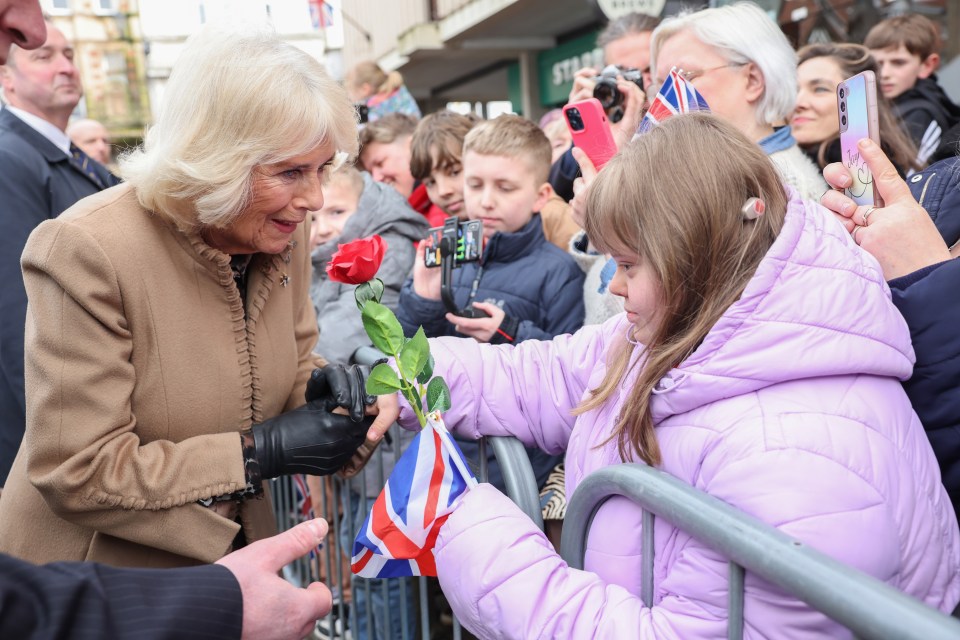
[(389, 163), (445, 186), (501, 191), (340, 201), (900, 69)]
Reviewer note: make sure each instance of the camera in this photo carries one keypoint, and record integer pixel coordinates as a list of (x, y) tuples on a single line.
[(363, 112), (606, 91)]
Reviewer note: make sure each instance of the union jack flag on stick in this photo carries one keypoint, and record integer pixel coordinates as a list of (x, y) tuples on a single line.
[(675, 96), (399, 534)]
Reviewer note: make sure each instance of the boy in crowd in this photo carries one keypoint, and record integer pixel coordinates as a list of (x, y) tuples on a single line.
[(354, 206), (385, 153), (436, 153), (528, 288), (907, 50)]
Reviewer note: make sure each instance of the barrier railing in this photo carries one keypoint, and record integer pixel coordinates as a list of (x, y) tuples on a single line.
[(863, 604)]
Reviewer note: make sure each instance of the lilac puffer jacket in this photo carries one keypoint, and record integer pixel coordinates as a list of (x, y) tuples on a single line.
[(790, 410)]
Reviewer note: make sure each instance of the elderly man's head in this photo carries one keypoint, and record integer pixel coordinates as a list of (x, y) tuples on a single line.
[(21, 23), (44, 81), (92, 137)]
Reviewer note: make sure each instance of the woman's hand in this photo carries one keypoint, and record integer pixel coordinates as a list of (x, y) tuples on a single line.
[(426, 280), (900, 235), (480, 329), (588, 173)]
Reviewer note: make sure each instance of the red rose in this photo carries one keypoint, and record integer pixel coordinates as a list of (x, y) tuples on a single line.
[(358, 261)]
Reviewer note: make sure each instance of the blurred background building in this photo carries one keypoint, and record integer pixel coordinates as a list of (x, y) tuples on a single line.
[(483, 55)]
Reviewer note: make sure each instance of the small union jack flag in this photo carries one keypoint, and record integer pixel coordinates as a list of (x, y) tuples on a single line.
[(304, 505), (321, 14), (399, 534), (675, 96)]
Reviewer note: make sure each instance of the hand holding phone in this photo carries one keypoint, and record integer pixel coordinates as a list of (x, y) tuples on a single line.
[(469, 243), (590, 130), (857, 112)]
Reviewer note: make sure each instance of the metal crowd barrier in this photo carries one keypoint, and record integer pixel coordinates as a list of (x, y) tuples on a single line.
[(865, 605)]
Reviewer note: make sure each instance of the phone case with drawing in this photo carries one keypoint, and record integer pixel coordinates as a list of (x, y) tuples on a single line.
[(857, 112)]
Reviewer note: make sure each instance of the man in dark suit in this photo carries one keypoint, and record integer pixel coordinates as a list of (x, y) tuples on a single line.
[(41, 175)]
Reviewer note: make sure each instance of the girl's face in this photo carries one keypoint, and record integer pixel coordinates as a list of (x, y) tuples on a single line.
[(815, 118), (642, 294)]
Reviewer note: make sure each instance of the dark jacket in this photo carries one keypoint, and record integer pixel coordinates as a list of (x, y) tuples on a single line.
[(562, 174), (534, 282), (85, 600), (928, 114), (37, 182), (929, 300)]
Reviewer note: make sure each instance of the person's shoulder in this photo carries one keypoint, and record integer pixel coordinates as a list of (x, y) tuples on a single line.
[(937, 189)]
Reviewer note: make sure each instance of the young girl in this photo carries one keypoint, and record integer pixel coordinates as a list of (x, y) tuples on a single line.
[(815, 123), (759, 359)]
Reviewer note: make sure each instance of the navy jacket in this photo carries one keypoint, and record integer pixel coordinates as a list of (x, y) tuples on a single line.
[(37, 182), (532, 281), (85, 600), (929, 300)]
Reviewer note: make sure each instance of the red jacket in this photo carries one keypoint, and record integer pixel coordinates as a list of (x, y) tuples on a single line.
[(420, 202)]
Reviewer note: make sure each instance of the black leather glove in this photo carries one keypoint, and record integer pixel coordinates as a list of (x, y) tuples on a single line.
[(337, 385), (306, 440)]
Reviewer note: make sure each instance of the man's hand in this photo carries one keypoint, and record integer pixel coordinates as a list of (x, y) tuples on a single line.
[(900, 235), (274, 609), (583, 84), (426, 280), (634, 101), (480, 329)]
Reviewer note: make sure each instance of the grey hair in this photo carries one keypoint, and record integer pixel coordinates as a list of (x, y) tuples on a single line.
[(743, 33), (626, 25), (238, 97)]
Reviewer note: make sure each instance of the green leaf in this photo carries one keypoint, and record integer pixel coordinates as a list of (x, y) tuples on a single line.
[(383, 380), (382, 327), (413, 355), (438, 395), (411, 395), (427, 372)]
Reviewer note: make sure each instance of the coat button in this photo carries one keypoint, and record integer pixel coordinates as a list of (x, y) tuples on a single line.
[(917, 177)]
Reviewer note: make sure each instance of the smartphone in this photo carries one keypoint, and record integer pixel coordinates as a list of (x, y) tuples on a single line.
[(590, 130), (469, 243), (857, 110)]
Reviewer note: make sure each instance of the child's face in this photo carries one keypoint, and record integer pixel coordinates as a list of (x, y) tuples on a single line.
[(340, 201), (445, 187), (815, 118), (501, 191), (389, 163), (899, 70), (642, 296)]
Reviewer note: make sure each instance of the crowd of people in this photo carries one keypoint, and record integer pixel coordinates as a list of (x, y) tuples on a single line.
[(709, 302)]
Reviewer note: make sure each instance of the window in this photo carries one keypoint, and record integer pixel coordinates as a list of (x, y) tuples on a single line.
[(105, 6), (59, 6)]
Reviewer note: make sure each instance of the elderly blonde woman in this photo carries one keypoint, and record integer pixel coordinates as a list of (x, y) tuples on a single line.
[(743, 65), (170, 328)]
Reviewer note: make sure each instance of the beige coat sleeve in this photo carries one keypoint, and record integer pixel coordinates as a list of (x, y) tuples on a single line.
[(84, 452), (558, 224)]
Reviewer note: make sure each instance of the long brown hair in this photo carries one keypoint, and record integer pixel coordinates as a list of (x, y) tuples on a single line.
[(674, 198), (853, 59)]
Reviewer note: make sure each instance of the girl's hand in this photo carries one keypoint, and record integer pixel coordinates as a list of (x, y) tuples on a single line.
[(426, 280), (480, 329), (588, 173), (387, 410), (900, 235)]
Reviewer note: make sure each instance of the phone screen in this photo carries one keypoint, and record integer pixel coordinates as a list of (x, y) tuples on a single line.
[(857, 105), (469, 243)]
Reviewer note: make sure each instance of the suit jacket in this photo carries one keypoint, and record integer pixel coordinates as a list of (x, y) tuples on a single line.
[(37, 182), (92, 601), (142, 366)]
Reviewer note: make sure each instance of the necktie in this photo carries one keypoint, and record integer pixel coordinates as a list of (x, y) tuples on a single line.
[(85, 164)]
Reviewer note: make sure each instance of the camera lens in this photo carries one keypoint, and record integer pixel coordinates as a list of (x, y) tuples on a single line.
[(842, 93), (843, 106), (607, 93), (575, 119), (843, 120)]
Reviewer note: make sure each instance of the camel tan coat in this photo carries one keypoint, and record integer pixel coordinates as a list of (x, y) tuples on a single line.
[(141, 369)]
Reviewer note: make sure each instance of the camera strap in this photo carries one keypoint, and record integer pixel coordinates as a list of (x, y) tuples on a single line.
[(475, 286)]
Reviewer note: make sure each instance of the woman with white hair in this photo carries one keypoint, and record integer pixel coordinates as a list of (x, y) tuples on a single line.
[(170, 329), (746, 70)]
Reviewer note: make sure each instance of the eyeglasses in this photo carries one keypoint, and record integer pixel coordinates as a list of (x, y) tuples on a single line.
[(691, 75)]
